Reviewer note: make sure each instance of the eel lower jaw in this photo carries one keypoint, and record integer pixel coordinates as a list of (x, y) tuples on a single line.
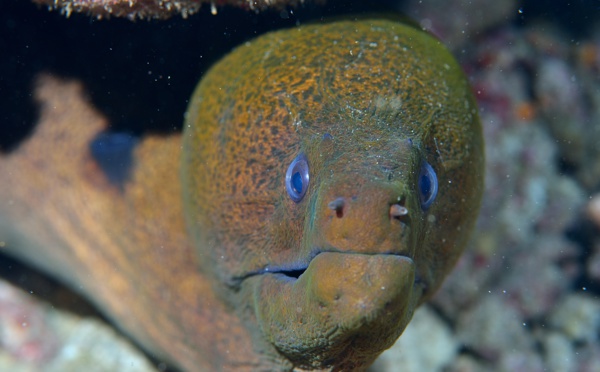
[(342, 303)]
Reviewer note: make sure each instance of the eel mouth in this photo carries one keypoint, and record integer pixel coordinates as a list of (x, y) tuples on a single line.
[(295, 270), (335, 301)]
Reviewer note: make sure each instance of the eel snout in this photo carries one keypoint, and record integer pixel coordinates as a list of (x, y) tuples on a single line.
[(364, 217), (397, 210)]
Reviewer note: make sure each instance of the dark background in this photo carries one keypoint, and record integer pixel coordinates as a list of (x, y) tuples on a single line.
[(140, 74)]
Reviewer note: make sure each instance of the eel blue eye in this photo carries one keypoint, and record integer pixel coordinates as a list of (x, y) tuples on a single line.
[(296, 178), (428, 185)]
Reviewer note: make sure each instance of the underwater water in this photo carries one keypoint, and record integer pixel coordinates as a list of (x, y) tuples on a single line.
[(525, 296)]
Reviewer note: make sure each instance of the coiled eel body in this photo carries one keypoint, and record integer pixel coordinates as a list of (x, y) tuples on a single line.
[(325, 183)]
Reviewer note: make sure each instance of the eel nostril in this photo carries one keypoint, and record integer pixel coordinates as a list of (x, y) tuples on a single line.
[(398, 211), (338, 206)]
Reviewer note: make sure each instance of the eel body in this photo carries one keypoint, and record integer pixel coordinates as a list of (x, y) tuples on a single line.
[(325, 182)]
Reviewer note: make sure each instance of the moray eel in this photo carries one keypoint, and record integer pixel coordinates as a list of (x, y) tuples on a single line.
[(325, 183)]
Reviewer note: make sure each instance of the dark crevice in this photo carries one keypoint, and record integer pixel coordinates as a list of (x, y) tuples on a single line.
[(566, 167), (585, 234), (293, 273), (139, 75)]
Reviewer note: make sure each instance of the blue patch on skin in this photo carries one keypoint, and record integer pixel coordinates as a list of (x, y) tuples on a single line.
[(428, 185), (113, 152)]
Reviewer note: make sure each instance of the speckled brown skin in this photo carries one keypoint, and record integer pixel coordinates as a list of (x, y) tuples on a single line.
[(219, 294), (126, 250), (389, 96)]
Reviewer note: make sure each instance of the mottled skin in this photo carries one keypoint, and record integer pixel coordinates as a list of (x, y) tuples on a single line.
[(389, 96), (221, 294)]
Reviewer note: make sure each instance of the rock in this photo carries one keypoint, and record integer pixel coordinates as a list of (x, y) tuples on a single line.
[(593, 209), (408, 353), (491, 328), (593, 264), (559, 353), (468, 19), (588, 357), (466, 363), (35, 336), (92, 346), (521, 360), (578, 317)]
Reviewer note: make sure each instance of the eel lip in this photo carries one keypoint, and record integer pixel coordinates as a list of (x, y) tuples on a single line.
[(294, 271)]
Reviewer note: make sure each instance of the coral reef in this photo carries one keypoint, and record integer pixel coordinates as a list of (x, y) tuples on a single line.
[(441, 349), (156, 9), (458, 21), (524, 297)]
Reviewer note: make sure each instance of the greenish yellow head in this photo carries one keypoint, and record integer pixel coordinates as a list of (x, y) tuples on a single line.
[(331, 176)]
